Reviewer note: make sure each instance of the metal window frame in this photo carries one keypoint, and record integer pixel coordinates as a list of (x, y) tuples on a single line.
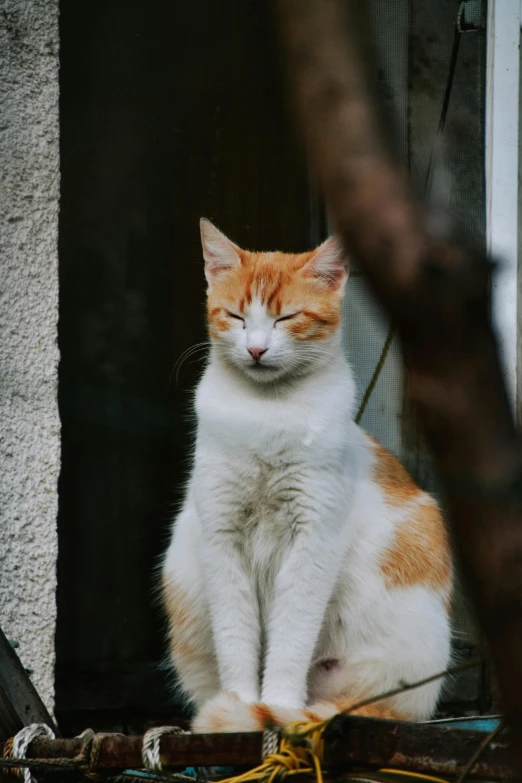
[(502, 164)]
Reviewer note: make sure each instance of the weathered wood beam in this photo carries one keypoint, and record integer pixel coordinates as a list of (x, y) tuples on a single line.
[(349, 742), (20, 703), (437, 292), (9, 721)]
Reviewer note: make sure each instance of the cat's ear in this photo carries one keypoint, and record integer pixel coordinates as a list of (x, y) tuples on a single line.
[(329, 263), (220, 253)]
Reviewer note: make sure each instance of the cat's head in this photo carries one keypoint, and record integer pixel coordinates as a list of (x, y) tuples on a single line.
[(273, 314)]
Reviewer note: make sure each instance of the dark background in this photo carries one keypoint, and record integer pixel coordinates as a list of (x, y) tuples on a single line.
[(171, 111)]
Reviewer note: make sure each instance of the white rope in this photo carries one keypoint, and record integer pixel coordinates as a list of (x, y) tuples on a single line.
[(85, 733), (270, 742), (150, 750), (23, 739)]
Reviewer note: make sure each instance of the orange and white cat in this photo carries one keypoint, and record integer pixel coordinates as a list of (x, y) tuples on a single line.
[(306, 570)]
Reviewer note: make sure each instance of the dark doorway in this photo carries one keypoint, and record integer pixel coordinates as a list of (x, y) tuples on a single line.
[(169, 111)]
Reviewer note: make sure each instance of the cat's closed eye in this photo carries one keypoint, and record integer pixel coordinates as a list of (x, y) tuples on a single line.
[(286, 317), (237, 317)]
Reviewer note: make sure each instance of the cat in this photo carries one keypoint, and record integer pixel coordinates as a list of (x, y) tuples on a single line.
[(306, 570)]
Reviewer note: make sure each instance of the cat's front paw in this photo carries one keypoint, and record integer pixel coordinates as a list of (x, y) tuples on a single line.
[(227, 713), (224, 712)]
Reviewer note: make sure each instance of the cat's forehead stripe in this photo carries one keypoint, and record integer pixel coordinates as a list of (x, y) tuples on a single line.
[(274, 280), (270, 274), (264, 273)]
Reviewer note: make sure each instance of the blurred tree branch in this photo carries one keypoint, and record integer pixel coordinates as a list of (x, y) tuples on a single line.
[(437, 293)]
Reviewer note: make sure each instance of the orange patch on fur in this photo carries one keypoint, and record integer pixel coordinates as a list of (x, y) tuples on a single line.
[(278, 280), (270, 296), (394, 480), (181, 613), (218, 320), (263, 715), (374, 711), (217, 724), (370, 711), (419, 553), (177, 604)]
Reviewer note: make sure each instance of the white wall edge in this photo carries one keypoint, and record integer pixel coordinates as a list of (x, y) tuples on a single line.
[(502, 111)]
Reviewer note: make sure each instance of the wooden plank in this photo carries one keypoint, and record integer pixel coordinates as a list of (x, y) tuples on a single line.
[(20, 703), (9, 721)]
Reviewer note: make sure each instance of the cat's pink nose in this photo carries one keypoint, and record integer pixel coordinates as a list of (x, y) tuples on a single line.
[(256, 353)]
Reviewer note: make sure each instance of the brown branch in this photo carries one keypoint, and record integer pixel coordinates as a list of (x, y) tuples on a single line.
[(437, 294)]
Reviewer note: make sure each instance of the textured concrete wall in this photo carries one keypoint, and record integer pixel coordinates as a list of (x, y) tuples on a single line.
[(29, 423)]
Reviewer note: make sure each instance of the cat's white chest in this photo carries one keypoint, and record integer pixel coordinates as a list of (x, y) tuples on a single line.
[(267, 431), (267, 526), (259, 431), (266, 491), (261, 457)]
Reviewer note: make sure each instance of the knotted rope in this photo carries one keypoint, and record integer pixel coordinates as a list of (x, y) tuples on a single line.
[(17, 747), (151, 748)]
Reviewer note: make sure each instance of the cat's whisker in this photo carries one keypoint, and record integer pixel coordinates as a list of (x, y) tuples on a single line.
[(195, 361), (189, 353), (194, 351), (187, 350), (185, 355)]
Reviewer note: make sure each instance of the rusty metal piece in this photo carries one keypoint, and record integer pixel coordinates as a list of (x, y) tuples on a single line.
[(117, 751), (414, 747), (349, 742), (437, 293)]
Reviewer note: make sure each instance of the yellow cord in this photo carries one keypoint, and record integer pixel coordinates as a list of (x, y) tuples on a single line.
[(301, 752), (375, 777), (417, 775)]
